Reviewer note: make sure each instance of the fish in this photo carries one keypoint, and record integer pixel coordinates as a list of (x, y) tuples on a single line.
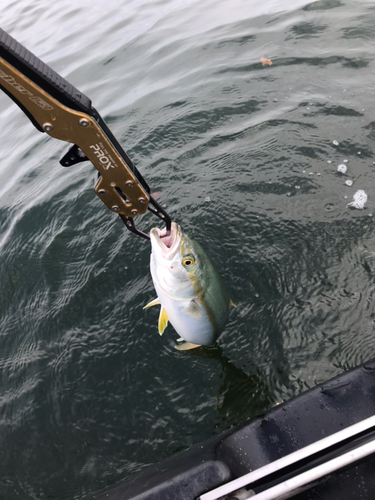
[(190, 291)]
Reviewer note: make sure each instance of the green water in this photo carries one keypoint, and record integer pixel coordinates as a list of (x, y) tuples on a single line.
[(243, 157)]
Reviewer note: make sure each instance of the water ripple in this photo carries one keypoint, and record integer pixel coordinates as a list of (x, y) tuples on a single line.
[(245, 157)]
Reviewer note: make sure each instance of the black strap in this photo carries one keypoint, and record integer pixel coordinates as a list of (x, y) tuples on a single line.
[(40, 73)]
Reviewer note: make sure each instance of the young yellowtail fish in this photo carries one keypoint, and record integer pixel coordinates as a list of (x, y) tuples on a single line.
[(189, 290)]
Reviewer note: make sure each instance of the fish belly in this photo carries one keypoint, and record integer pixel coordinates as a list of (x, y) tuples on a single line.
[(192, 329)]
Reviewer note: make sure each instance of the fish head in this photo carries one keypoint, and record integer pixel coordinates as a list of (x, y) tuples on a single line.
[(168, 265)]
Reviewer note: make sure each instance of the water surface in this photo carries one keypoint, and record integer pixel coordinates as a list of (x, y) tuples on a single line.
[(245, 157)]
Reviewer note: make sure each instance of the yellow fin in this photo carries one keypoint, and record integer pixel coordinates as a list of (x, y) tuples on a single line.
[(154, 302), (186, 346), (231, 303), (163, 320)]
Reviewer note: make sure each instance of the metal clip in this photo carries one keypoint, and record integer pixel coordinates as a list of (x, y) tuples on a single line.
[(157, 210)]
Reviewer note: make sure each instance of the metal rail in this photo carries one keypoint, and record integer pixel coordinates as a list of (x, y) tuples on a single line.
[(296, 484), (285, 489)]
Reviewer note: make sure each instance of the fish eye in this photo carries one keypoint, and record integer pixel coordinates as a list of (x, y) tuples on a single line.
[(188, 261)]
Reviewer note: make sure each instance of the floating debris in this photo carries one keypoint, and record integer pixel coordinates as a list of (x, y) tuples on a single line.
[(329, 161), (329, 207), (342, 168), (345, 161), (349, 182), (265, 62), (359, 200), (335, 143), (156, 194), (208, 199)]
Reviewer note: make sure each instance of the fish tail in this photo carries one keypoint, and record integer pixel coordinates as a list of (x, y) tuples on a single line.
[(186, 346)]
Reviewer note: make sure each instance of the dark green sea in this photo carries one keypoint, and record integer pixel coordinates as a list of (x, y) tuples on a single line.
[(245, 157)]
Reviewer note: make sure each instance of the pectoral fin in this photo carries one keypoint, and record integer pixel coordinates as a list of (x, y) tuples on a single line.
[(186, 346), (192, 309), (231, 303), (154, 302), (163, 320)]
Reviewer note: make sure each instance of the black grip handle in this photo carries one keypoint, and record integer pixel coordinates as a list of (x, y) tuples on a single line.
[(40, 73)]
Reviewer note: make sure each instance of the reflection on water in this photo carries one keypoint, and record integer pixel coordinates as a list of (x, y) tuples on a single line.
[(249, 159), (240, 395)]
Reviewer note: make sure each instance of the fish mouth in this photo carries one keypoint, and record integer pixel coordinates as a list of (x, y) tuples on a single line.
[(166, 244)]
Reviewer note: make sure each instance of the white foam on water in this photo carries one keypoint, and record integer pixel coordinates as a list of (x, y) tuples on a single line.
[(335, 143), (342, 168), (359, 200)]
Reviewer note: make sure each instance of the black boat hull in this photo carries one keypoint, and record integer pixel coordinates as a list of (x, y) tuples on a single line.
[(311, 416)]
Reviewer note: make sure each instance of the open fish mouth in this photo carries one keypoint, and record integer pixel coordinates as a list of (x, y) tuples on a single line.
[(167, 245)]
